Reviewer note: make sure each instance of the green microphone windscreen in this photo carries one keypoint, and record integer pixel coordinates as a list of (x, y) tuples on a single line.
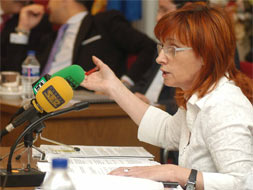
[(73, 74)]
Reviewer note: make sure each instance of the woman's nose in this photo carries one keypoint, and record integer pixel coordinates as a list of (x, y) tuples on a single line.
[(161, 58)]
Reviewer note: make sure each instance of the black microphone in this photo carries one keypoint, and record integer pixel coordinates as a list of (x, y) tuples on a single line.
[(36, 86), (26, 115), (53, 95), (20, 110), (30, 176)]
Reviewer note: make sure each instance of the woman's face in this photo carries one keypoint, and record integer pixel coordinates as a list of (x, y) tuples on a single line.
[(180, 70)]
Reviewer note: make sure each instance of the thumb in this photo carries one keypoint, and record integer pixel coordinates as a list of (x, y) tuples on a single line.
[(97, 61)]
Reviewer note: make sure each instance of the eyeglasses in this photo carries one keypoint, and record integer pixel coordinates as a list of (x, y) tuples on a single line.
[(170, 50)]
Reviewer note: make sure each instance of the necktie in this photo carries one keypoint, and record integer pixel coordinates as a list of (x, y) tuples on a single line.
[(55, 48)]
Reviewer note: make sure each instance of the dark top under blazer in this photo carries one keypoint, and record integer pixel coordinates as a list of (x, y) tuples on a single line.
[(166, 96), (116, 40)]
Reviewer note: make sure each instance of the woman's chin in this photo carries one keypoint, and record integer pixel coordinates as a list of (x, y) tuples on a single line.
[(168, 83)]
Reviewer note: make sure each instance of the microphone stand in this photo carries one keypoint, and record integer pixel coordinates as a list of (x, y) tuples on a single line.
[(38, 132), (29, 140), (30, 176)]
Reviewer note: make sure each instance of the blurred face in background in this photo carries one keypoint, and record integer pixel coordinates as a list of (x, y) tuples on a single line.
[(164, 7), (56, 11), (13, 6)]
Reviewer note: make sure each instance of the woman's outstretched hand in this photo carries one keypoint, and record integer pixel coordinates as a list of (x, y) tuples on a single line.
[(105, 81), (101, 80)]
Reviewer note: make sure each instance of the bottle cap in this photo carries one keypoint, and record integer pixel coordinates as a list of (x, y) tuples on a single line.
[(31, 52), (60, 163)]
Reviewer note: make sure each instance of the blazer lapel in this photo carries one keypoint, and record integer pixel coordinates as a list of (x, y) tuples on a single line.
[(82, 33)]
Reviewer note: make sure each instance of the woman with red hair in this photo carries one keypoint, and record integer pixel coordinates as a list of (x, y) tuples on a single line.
[(213, 126)]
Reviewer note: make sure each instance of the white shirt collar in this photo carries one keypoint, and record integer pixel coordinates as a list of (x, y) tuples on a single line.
[(77, 18), (194, 100)]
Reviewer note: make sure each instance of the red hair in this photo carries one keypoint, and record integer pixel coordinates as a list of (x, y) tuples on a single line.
[(209, 31)]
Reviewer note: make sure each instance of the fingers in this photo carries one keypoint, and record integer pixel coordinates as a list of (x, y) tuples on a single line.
[(34, 9), (30, 16), (128, 171), (148, 172), (122, 171)]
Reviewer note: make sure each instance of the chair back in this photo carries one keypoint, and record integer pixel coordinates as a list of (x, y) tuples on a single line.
[(247, 68)]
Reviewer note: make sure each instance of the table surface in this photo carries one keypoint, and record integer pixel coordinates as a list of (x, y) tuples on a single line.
[(99, 125)]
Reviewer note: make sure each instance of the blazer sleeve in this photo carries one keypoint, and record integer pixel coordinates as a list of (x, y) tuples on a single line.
[(131, 41)]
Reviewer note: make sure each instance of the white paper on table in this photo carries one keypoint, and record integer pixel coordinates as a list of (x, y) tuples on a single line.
[(109, 182), (94, 152), (97, 166)]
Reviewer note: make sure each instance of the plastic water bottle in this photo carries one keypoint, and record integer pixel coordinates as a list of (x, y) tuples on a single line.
[(58, 179), (30, 73)]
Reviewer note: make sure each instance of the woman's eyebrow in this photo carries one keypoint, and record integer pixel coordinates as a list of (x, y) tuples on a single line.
[(170, 40), (174, 43)]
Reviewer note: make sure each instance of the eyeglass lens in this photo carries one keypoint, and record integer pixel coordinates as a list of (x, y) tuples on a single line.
[(170, 51)]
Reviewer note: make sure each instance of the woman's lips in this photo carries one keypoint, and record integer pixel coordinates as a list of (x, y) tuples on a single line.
[(165, 72)]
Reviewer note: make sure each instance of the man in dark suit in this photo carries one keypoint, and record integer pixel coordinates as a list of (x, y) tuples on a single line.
[(107, 35)]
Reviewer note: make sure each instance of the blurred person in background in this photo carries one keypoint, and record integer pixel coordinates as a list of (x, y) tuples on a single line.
[(108, 35), (12, 55), (10, 7)]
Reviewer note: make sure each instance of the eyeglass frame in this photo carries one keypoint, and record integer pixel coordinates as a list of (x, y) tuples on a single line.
[(161, 47)]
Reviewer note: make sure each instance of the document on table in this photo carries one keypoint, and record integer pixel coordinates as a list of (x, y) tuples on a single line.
[(110, 182), (89, 167), (95, 178), (94, 152), (97, 166)]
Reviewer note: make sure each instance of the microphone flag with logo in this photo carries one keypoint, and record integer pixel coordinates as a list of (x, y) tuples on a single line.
[(73, 74)]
